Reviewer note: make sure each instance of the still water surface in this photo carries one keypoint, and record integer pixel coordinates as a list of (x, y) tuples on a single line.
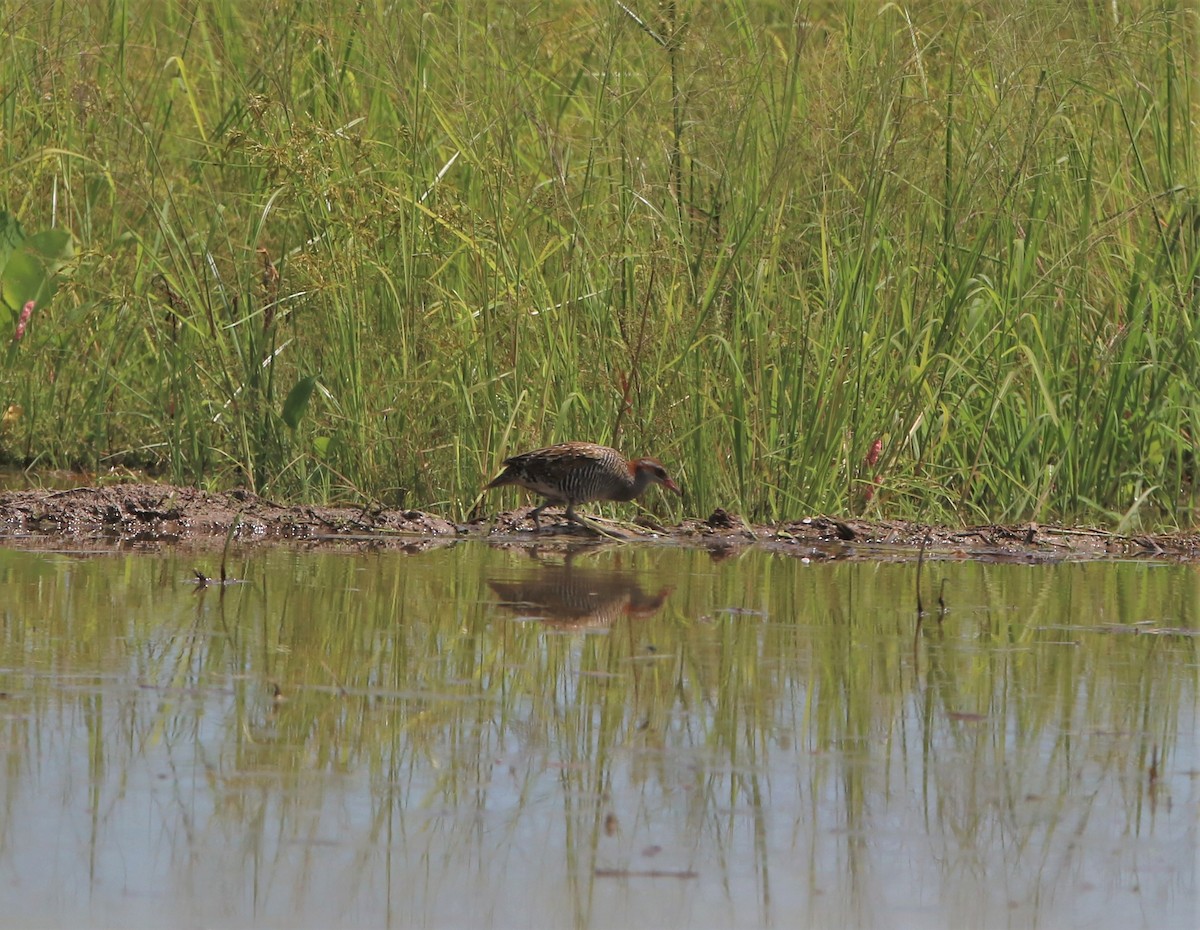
[(630, 737)]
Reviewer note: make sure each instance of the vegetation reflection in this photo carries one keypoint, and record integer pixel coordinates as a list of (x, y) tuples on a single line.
[(366, 737)]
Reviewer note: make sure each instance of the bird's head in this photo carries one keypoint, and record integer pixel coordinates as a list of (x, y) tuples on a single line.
[(654, 473)]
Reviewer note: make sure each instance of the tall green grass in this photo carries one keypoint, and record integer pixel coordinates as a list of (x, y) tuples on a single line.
[(752, 239)]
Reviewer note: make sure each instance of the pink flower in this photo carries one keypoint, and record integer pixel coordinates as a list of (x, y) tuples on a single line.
[(873, 455), (23, 321)]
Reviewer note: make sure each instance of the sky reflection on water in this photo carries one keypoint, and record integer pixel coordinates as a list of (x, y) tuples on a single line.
[(627, 737)]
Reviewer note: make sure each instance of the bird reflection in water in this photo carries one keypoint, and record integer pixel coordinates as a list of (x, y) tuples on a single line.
[(571, 597)]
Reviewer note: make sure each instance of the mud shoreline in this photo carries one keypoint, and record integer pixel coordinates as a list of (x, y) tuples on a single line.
[(123, 515)]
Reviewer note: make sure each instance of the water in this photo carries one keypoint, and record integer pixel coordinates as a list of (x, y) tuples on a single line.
[(631, 737)]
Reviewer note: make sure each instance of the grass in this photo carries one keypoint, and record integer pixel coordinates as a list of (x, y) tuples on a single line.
[(752, 240)]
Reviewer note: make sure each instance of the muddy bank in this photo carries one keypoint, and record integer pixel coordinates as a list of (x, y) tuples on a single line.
[(149, 514)]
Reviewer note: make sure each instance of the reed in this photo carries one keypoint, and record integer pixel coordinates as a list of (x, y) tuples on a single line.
[(755, 242)]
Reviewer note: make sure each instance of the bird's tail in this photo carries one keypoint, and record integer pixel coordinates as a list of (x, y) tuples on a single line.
[(505, 477)]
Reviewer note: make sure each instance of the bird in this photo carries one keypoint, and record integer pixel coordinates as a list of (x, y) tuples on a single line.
[(577, 472)]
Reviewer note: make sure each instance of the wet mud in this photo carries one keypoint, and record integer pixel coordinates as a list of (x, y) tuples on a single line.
[(152, 514)]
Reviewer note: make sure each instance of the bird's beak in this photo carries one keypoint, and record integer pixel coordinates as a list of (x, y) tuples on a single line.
[(672, 486)]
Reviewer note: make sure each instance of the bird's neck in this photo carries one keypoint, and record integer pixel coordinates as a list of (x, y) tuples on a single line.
[(632, 486)]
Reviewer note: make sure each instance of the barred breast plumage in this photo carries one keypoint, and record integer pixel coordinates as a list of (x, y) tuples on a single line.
[(577, 472)]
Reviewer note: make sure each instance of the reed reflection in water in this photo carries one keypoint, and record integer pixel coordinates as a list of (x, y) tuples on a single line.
[(394, 740)]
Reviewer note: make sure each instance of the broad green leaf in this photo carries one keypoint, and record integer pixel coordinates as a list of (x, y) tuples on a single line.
[(56, 246), (297, 401), (24, 279), (11, 236)]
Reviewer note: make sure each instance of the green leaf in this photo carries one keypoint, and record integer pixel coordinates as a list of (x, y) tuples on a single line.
[(56, 246), (321, 446), (28, 264), (11, 237), (297, 401), (24, 279)]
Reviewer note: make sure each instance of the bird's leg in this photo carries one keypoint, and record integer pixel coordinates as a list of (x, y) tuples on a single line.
[(537, 512), (573, 517)]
